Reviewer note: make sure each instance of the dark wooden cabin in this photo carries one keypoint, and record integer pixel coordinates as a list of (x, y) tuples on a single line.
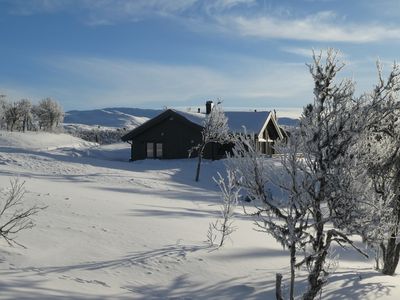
[(172, 134), (167, 136)]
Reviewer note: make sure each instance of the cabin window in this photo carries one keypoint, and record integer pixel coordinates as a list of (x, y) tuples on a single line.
[(150, 150), (159, 150)]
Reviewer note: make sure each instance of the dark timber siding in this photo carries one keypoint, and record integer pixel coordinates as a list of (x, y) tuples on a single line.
[(176, 136)]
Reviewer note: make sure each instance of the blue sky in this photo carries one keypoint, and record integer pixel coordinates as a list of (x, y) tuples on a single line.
[(179, 53)]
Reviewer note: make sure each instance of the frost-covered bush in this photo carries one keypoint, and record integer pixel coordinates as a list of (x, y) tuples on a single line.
[(98, 135)]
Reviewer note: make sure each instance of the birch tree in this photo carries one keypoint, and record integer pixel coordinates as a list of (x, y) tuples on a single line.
[(49, 114), (286, 220), (317, 184), (329, 128), (12, 115), (215, 130), (378, 154), (3, 104), (25, 112)]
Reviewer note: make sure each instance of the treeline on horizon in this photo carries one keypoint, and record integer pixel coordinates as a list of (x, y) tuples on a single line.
[(23, 116)]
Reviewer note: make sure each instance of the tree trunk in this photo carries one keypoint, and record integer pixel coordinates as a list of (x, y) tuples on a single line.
[(391, 255), (292, 270), (198, 167), (377, 258), (278, 286), (392, 251), (200, 156), (315, 282)]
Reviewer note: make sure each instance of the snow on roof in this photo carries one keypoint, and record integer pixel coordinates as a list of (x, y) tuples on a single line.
[(197, 118), (237, 120), (253, 121)]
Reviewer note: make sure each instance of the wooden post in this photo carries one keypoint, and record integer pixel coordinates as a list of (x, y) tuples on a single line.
[(278, 286)]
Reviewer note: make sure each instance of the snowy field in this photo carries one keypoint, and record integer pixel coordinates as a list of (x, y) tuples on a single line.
[(120, 230)]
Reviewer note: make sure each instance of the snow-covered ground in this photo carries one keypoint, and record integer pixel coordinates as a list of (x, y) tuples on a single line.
[(120, 230)]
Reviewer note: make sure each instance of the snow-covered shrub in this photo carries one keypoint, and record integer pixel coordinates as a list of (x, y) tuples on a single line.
[(99, 135), (14, 215), (229, 195)]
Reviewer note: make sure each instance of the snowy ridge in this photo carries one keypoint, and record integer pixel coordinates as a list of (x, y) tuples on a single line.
[(132, 117), (111, 117)]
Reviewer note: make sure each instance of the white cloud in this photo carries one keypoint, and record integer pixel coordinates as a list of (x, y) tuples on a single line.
[(322, 27), (222, 5), (304, 52)]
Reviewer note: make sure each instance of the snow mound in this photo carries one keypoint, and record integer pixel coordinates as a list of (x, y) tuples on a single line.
[(41, 140), (114, 152)]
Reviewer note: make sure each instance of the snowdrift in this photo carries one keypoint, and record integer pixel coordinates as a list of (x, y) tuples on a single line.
[(115, 229)]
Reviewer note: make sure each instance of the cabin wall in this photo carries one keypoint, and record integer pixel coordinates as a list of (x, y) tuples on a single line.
[(268, 134), (176, 137)]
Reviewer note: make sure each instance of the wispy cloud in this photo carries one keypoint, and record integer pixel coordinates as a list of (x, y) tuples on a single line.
[(321, 27), (99, 82), (114, 11), (135, 83), (308, 52), (103, 11), (238, 17)]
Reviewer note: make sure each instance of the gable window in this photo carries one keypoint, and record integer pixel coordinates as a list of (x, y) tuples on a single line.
[(150, 150), (159, 150)]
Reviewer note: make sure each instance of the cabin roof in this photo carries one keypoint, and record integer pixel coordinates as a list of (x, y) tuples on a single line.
[(156, 120), (237, 121)]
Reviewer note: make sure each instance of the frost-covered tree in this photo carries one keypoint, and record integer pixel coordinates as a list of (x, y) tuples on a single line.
[(3, 104), (378, 166), (328, 128), (12, 115), (49, 114), (215, 130), (16, 115), (317, 184), (287, 220), (25, 111)]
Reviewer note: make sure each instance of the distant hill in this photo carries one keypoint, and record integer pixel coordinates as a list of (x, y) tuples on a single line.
[(129, 118), (288, 122), (117, 117)]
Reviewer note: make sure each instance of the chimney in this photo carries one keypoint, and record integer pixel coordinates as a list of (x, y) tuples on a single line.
[(209, 107), (198, 110)]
